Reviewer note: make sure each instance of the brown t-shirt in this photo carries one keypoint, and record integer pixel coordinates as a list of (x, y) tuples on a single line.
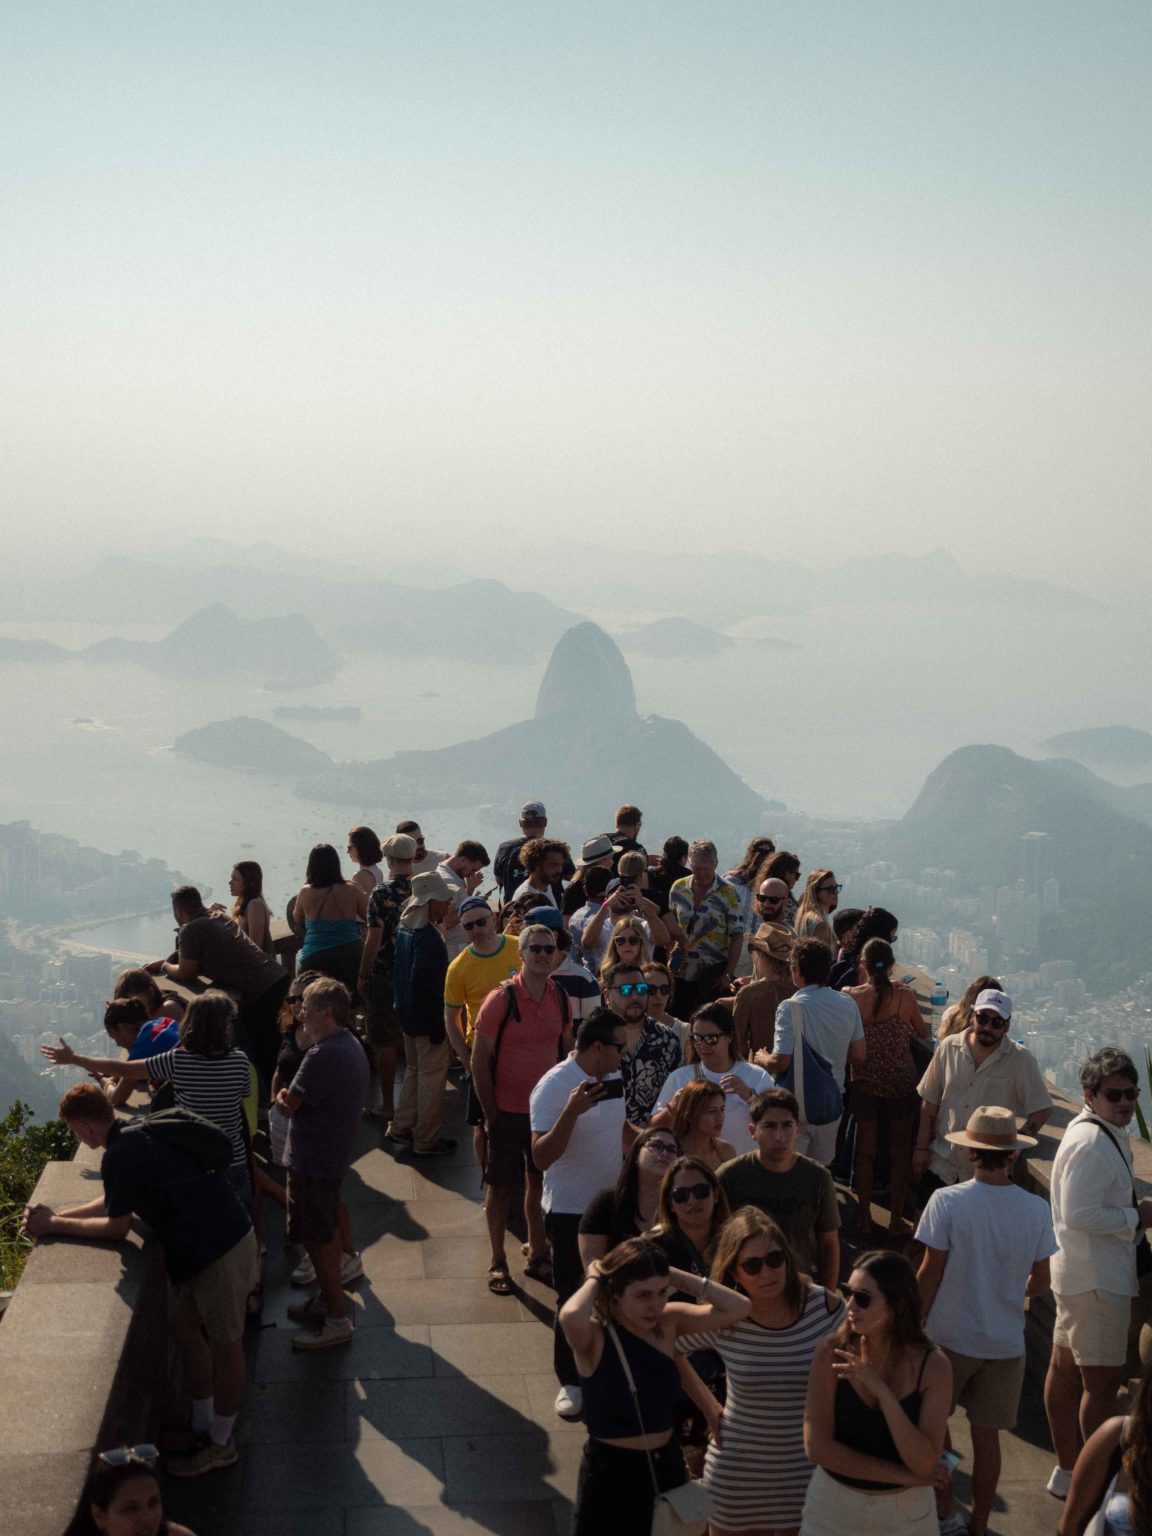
[(228, 957), (754, 1014)]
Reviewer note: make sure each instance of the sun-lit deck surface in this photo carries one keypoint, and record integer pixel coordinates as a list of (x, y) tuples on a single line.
[(437, 1420)]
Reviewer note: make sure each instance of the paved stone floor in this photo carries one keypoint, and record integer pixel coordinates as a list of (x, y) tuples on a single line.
[(437, 1420)]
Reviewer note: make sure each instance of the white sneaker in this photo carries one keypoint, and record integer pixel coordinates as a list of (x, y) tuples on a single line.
[(955, 1525), (569, 1402), (326, 1336), (304, 1273), (351, 1268), (1059, 1483)]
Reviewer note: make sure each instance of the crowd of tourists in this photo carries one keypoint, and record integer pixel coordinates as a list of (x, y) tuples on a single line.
[(669, 1067)]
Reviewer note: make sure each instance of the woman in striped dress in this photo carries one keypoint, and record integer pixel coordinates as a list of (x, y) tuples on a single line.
[(756, 1469)]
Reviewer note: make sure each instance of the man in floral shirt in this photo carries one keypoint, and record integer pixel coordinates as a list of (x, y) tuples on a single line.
[(707, 910), (653, 1050)]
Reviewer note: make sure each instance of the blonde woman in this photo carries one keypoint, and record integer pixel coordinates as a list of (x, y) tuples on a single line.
[(627, 945), (814, 914)]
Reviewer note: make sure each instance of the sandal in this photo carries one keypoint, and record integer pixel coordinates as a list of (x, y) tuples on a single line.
[(499, 1280), (539, 1269)]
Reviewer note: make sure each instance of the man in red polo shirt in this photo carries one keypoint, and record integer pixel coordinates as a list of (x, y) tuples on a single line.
[(522, 1031)]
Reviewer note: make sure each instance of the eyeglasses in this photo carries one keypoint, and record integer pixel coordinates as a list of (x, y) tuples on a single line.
[(655, 987), (632, 989), (753, 1266), (130, 1455), (480, 922), (706, 1039), (863, 1299), (688, 1192), (662, 1148), (541, 949), (1121, 1095), (992, 1021)]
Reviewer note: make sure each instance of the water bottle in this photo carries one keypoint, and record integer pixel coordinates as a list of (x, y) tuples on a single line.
[(938, 1002)]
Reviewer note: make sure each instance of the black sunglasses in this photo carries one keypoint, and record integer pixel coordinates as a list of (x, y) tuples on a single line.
[(863, 1299), (775, 900), (541, 949), (479, 923), (1121, 1095), (992, 1021), (690, 1192), (655, 987), (753, 1266)]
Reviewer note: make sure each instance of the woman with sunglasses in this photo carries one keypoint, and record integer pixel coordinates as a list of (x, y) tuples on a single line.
[(698, 1123), (814, 914), (692, 1209), (712, 1038), (877, 1411), (659, 979), (628, 942), (634, 1205), (756, 1469), (622, 1312), (123, 1497)]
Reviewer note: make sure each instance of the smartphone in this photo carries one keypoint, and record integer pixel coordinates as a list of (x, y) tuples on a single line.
[(613, 1087)]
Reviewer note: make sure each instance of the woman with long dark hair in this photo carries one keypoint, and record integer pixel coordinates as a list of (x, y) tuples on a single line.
[(756, 1469), (365, 852), (123, 1497), (623, 1330), (715, 1059), (1113, 1473), (883, 1085), (743, 877), (250, 912), (958, 1019), (331, 913), (698, 1123), (633, 1206), (877, 923), (878, 1401), (691, 1211)]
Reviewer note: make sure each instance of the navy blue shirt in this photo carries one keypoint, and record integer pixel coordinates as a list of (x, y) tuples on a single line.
[(197, 1217), (421, 969)]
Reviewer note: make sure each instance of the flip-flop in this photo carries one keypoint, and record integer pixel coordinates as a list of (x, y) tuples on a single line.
[(499, 1280)]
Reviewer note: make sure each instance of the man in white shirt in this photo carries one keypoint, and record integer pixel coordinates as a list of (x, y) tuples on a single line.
[(461, 874), (832, 1025), (577, 1119), (1098, 1220), (987, 1244), (426, 858), (981, 1066)]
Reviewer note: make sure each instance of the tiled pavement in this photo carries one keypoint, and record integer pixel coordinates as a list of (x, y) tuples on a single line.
[(437, 1420)]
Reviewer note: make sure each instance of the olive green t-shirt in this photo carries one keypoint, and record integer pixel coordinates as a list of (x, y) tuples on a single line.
[(802, 1202)]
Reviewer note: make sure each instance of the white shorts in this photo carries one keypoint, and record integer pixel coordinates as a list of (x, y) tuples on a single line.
[(818, 1142), (834, 1509)]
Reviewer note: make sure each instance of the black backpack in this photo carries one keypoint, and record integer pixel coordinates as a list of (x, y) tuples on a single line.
[(185, 1131), (512, 1011)]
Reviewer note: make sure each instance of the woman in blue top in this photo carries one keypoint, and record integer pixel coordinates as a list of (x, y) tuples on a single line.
[(331, 913), (623, 1309)]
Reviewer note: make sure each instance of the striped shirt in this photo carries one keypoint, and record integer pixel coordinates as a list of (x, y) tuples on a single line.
[(758, 1475), (212, 1086)]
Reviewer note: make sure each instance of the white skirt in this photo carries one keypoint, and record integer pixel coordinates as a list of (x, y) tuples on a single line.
[(835, 1509)]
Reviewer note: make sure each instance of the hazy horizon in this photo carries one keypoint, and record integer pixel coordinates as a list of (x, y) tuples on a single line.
[(404, 282)]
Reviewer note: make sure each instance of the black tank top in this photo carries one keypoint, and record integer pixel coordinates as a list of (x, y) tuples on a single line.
[(865, 1429), (609, 1408)]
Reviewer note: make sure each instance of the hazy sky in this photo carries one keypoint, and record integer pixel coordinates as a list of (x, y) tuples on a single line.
[(819, 279)]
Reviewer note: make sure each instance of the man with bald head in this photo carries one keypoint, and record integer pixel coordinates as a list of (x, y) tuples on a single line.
[(772, 905)]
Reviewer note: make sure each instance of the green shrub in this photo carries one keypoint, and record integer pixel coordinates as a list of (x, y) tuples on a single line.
[(24, 1149)]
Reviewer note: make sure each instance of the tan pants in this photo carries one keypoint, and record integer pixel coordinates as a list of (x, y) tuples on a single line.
[(421, 1108)]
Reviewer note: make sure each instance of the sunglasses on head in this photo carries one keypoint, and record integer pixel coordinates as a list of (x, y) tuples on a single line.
[(130, 1455), (1121, 1095), (753, 1266), (633, 988), (688, 1192), (863, 1299), (705, 1039), (541, 949)]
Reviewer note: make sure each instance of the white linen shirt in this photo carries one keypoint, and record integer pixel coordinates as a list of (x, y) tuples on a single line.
[(1092, 1212), (1009, 1077)]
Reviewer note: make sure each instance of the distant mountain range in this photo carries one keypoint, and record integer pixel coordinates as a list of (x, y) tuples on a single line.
[(1118, 747)]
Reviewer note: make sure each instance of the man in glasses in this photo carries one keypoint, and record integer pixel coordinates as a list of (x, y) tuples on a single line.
[(707, 911), (1098, 1220), (797, 1193), (461, 873), (522, 1032), (426, 859), (652, 1051), (980, 1066), (487, 959), (772, 906), (577, 1119)]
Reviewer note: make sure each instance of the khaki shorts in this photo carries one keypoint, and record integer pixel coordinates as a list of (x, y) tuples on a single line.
[(1094, 1326), (987, 1390), (219, 1294)]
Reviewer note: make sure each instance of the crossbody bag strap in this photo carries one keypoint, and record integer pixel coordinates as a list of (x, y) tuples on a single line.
[(797, 1011), (1100, 1126), (628, 1377)]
